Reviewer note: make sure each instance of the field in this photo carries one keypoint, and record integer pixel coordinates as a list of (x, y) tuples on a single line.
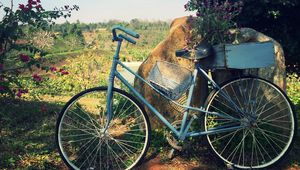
[(27, 125)]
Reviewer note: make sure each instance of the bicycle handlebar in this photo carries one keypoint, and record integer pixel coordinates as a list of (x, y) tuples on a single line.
[(127, 31), (127, 38)]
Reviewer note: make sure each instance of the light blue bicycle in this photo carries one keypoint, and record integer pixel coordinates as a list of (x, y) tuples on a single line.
[(249, 122)]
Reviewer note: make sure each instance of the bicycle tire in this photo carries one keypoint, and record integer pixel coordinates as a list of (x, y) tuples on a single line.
[(82, 142), (267, 138)]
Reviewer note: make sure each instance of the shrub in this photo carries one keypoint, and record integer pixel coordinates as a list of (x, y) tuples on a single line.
[(16, 53)]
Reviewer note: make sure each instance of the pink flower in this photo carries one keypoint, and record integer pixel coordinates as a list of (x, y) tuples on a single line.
[(37, 78), (53, 69), (39, 7), (20, 92), (39, 1), (23, 91), (29, 6), (63, 72), (22, 6), (2, 88), (24, 58)]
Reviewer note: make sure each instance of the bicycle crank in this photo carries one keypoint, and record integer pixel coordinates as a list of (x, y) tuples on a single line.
[(172, 139)]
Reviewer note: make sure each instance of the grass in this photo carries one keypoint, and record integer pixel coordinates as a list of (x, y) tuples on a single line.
[(28, 138), (28, 135)]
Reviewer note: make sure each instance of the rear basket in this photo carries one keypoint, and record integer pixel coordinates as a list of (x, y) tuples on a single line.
[(170, 79)]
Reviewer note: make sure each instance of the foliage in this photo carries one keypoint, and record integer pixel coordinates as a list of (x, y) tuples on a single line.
[(213, 20), (16, 54), (86, 71), (293, 88)]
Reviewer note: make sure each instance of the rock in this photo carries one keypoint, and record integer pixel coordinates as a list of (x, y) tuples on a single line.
[(165, 51), (276, 74)]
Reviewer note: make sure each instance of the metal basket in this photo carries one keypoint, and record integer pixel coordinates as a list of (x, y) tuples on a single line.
[(170, 79)]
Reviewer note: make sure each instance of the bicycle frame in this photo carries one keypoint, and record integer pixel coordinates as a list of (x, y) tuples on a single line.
[(182, 133)]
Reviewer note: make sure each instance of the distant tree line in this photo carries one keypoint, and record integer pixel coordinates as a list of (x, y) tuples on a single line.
[(137, 24)]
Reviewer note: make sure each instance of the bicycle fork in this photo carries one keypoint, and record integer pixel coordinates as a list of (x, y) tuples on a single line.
[(111, 79)]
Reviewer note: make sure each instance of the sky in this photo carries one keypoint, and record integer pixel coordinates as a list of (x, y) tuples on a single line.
[(105, 10)]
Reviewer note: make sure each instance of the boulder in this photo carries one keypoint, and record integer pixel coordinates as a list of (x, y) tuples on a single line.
[(165, 51)]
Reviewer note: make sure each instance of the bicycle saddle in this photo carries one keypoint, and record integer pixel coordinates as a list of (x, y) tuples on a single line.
[(201, 51)]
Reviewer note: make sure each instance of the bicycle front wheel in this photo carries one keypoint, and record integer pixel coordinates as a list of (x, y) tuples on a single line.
[(84, 144), (266, 118)]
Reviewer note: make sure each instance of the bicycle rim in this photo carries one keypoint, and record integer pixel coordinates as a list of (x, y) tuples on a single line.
[(84, 144), (268, 116)]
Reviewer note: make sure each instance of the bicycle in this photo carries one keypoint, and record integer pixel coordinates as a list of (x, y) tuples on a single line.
[(249, 122)]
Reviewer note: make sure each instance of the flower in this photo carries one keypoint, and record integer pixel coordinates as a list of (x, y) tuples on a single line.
[(1, 78), (39, 7), (22, 6), (212, 21), (24, 58), (21, 92), (53, 69), (63, 72), (33, 3), (37, 78), (2, 88), (29, 6)]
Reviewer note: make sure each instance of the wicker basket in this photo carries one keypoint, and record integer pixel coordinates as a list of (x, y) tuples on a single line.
[(170, 79)]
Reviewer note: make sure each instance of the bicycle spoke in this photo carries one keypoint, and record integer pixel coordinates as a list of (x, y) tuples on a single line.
[(76, 122), (236, 97), (267, 139), (227, 115), (125, 142), (116, 156), (263, 111), (275, 113), (87, 146), (87, 158), (80, 129), (266, 120)]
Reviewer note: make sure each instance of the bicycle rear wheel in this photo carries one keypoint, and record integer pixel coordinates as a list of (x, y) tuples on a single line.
[(82, 141), (268, 119)]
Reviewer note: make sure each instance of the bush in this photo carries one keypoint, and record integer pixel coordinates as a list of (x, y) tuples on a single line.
[(18, 54)]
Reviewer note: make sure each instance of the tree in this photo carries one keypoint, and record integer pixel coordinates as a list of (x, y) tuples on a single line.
[(18, 55)]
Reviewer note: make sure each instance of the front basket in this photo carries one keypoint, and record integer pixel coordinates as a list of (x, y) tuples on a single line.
[(170, 79)]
